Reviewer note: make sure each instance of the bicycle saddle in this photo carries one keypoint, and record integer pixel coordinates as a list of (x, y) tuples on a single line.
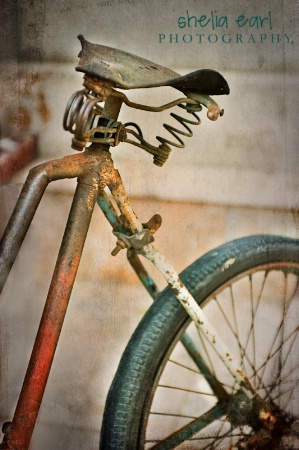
[(127, 71)]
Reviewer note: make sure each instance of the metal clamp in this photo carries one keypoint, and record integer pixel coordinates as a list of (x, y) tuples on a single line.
[(136, 241)]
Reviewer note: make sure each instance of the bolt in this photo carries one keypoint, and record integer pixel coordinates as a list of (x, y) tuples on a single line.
[(120, 245)]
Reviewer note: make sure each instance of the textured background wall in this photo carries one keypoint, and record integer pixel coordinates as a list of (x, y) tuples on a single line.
[(246, 163), (254, 146)]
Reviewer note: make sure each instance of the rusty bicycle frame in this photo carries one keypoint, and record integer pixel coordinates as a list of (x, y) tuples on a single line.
[(95, 171)]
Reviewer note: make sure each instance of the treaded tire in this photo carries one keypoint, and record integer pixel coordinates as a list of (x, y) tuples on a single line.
[(153, 337)]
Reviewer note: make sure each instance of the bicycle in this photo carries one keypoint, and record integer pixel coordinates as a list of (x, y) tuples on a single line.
[(210, 386)]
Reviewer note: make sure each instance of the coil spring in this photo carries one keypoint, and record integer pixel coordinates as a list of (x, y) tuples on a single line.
[(165, 146), (79, 116)]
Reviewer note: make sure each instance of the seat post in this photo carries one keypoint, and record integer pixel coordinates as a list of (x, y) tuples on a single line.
[(112, 107)]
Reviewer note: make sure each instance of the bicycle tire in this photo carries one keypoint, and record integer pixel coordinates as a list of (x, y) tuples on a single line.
[(144, 361)]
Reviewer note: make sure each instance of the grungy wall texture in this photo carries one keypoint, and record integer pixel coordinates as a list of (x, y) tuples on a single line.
[(254, 46), (203, 33), (235, 177)]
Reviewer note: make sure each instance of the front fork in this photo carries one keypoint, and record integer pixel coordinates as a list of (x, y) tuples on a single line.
[(148, 251), (264, 413)]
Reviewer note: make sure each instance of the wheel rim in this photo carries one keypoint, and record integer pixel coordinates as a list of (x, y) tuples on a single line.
[(256, 313)]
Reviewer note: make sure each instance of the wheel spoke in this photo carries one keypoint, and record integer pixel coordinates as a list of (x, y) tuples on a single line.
[(253, 315), (290, 389), (279, 352), (242, 349), (195, 355), (213, 417), (280, 381), (234, 329), (189, 430), (185, 390), (272, 355), (206, 351), (235, 333), (279, 332), (184, 366), (187, 397), (233, 306), (252, 328)]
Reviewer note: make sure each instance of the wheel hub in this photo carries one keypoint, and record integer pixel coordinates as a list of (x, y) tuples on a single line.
[(272, 427)]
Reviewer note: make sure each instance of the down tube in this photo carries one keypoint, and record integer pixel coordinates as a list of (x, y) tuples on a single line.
[(19, 435)]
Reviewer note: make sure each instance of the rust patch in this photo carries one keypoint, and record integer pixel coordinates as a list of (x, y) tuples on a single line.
[(154, 223), (268, 417), (42, 107), (90, 201), (242, 375)]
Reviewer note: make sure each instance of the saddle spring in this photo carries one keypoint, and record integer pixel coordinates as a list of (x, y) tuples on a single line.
[(83, 118), (162, 152)]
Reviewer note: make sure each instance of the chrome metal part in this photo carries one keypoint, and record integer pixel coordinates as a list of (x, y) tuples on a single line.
[(211, 379)]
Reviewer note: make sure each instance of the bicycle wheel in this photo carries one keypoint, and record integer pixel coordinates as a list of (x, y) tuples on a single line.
[(172, 391)]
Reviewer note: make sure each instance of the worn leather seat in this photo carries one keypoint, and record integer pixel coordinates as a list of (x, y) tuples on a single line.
[(127, 71)]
